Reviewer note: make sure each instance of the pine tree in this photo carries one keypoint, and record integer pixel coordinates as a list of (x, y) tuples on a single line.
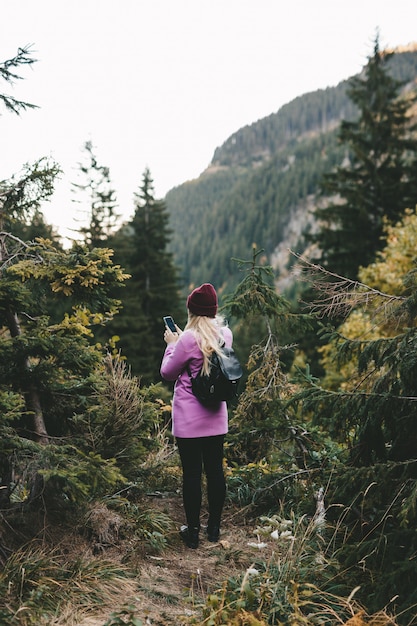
[(377, 179), (152, 291), (99, 196)]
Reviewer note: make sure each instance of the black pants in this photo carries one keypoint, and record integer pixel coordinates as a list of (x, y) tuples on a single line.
[(195, 454)]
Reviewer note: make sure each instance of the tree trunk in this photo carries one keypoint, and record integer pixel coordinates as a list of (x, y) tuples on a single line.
[(6, 473), (32, 397)]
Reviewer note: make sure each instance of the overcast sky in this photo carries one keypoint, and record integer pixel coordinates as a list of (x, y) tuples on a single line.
[(162, 83)]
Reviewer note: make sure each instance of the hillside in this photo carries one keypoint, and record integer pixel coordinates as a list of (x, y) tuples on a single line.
[(261, 184)]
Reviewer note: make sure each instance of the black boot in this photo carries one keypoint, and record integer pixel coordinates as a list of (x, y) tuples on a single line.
[(213, 533), (190, 536)]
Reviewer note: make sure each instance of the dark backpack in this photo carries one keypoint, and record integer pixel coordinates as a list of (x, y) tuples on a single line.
[(222, 382)]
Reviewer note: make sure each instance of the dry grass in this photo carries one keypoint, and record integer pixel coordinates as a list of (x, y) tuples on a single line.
[(165, 588)]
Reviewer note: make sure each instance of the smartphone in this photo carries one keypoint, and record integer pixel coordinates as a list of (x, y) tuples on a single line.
[(170, 323)]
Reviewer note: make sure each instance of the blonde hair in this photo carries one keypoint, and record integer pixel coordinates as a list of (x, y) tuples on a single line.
[(207, 331)]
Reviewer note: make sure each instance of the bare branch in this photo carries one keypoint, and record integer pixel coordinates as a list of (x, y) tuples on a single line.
[(338, 295), (13, 249)]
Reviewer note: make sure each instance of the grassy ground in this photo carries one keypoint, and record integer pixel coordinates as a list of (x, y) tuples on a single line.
[(99, 574), (165, 586)]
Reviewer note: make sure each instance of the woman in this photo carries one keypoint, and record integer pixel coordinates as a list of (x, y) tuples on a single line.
[(199, 430)]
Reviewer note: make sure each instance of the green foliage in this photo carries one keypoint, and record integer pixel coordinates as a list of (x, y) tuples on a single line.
[(22, 195), (53, 356), (69, 475), (125, 617), (111, 441), (152, 528), (73, 476), (49, 375), (377, 416), (255, 294), (259, 486), (49, 299), (287, 476), (120, 418)]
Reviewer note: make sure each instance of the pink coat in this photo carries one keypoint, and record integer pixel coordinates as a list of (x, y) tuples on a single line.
[(189, 417)]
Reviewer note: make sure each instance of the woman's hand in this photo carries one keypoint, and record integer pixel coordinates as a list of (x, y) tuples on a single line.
[(171, 337)]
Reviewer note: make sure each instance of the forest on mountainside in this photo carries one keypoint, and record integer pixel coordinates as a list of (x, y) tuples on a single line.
[(254, 208), (259, 179), (320, 459)]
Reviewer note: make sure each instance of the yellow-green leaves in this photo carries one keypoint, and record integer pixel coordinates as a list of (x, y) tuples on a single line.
[(68, 272)]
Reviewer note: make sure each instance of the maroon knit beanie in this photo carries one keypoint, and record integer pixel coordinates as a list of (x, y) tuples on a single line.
[(203, 301)]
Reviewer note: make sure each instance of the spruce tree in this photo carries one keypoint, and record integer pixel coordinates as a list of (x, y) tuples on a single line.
[(376, 181), (96, 192), (260, 418), (141, 247)]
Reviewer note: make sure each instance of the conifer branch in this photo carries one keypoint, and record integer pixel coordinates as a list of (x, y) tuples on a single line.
[(353, 393), (8, 74)]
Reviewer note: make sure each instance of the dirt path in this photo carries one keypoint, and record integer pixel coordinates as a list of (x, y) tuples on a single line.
[(171, 587)]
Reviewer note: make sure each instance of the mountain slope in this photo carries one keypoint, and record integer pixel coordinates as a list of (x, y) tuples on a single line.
[(261, 184)]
